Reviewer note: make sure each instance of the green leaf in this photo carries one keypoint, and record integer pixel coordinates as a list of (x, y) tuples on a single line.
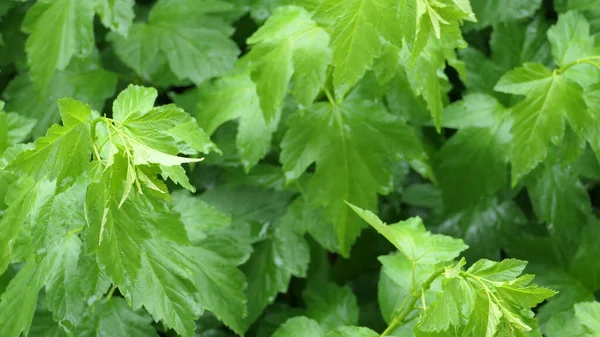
[(22, 203), (592, 118), (484, 319), (356, 165), (467, 170), (83, 80), (114, 233), (570, 38), (299, 327), (330, 305), (19, 128), (288, 47), (560, 200), (356, 28), (505, 270), (490, 12), (412, 239), (220, 282), (58, 31), (113, 317), (3, 131), (165, 286), (539, 118), (399, 269), (236, 97), (249, 206), (352, 331), (117, 15), (271, 267), (199, 217), (511, 44), (570, 290), (187, 35), (134, 100), (589, 316), (65, 150), (44, 325), (17, 303), (63, 292), (456, 299)]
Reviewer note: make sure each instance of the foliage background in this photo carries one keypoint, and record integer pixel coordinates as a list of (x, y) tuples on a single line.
[(307, 256)]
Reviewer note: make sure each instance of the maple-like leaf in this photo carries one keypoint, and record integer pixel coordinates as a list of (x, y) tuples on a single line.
[(354, 146), (356, 29), (64, 152), (539, 118), (183, 36), (288, 47), (59, 30)]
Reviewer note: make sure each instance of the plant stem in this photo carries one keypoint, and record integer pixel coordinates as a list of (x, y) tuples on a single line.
[(330, 97), (584, 60), (111, 292), (398, 320)]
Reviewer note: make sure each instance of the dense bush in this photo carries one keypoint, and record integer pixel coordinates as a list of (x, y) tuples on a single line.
[(225, 167)]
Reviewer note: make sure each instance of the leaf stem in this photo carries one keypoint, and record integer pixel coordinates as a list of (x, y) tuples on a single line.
[(584, 60), (329, 97), (111, 292), (93, 135), (398, 320)]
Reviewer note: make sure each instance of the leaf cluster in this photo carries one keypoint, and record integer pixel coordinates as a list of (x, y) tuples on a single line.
[(227, 168)]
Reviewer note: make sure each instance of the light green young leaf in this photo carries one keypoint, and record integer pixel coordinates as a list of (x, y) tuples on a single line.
[(484, 318), (412, 239), (58, 31), (133, 100), (147, 135), (236, 97), (570, 38), (299, 327), (116, 233), (114, 317), (64, 152), (539, 118), (399, 269), (588, 315), (117, 15), (330, 305), (188, 35), (288, 47), (363, 142), (505, 270), (454, 301)]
